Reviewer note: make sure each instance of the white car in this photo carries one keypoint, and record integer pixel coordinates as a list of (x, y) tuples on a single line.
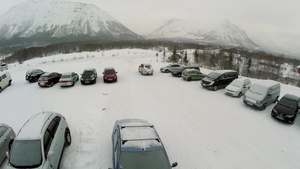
[(68, 79), (146, 68), (5, 80), (40, 142), (238, 87)]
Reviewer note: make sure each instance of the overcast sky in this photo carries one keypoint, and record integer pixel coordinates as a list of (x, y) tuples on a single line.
[(143, 16)]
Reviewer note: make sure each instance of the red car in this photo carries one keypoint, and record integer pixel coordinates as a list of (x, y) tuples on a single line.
[(49, 79), (110, 75)]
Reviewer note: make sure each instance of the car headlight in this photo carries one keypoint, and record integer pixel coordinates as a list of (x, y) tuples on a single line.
[(81, 78), (211, 83), (274, 110), (290, 116)]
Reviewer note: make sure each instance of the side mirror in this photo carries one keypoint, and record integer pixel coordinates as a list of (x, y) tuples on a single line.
[(174, 164), (269, 94)]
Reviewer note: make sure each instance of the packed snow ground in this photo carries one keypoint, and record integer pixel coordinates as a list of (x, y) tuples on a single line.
[(199, 128)]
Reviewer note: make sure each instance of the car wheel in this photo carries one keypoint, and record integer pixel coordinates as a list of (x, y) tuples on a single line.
[(51, 84), (189, 79), (9, 83), (68, 138), (215, 88), (72, 84), (167, 71), (240, 94), (0, 89), (263, 107), (179, 75)]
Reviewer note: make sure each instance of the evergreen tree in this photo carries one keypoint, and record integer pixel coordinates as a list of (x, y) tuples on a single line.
[(196, 56), (212, 60), (230, 60), (164, 54), (173, 58), (185, 60), (249, 67)]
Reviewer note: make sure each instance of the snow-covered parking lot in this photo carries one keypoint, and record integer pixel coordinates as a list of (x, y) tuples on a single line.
[(199, 128)]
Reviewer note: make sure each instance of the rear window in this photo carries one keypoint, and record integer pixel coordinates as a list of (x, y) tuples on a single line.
[(26, 154)]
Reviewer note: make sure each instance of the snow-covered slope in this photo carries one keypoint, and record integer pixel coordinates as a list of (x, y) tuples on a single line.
[(223, 33), (59, 18)]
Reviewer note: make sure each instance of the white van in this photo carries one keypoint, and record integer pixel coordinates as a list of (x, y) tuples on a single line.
[(5, 80), (261, 94), (238, 87)]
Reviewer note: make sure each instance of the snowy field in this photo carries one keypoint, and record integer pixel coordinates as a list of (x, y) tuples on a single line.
[(199, 128)]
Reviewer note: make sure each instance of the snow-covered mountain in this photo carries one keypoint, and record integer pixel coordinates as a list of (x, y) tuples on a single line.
[(60, 19), (223, 33)]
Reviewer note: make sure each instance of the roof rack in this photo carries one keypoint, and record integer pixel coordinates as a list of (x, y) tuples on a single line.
[(152, 126), (157, 139)]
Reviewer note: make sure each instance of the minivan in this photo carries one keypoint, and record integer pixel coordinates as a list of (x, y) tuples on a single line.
[(5, 80), (219, 79), (262, 94)]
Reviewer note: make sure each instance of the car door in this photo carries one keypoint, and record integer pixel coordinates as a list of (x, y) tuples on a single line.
[(4, 141), (116, 149), (73, 77), (57, 144)]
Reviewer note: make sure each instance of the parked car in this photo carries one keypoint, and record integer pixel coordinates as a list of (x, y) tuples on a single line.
[(287, 108), (167, 68), (40, 142), (49, 79), (68, 79), (7, 136), (110, 75), (219, 79), (136, 144), (89, 75), (238, 87), (5, 80), (262, 94), (33, 75), (3, 66), (146, 68), (192, 74), (177, 71)]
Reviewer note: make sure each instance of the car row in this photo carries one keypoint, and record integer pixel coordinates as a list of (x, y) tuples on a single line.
[(42, 139), (258, 95)]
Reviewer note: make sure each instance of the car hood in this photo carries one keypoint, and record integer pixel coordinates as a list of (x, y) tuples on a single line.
[(64, 79), (109, 75), (284, 110), (207, 79), (233, 88)]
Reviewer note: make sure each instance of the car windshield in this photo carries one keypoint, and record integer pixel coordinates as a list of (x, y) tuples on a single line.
[(213, 75), (156, 159), (43, 77), (288, 103), (65, 76), (109, 71), (237, 83), (260, 90), (88, 72), (26, 153)]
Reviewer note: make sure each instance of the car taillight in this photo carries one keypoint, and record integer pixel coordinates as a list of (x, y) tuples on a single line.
[(143, 68), (187, 73), (260, 101), (64, 118)]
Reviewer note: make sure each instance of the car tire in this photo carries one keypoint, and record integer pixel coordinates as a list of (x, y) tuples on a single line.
[(0, 89), (189, 79), (72, 84), (215, 88), (275, 100), (68, 138), (179, 75), (263, 107), (240, 95), (9, 83), (167, 71), (51, 84)]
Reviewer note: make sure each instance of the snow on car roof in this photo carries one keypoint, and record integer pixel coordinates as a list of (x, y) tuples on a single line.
[(67, 73), (138, 135), (33, 127)]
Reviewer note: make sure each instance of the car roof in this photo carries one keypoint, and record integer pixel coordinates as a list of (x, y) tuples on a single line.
[(67, 73), (34, 125), (190, 69), (291, 97), (89, 69), (109, 68), (224, 71), (47, 73), (138, 135)]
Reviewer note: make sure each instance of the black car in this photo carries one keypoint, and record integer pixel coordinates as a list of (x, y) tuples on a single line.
[(32, 75), (177, 72), (88, 76), (287, 108), (49, 79), (219, 79)]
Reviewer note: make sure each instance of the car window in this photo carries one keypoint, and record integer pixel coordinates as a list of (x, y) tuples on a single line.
[(47, 142), (4, 76), (0, 79), (53, 125), (3, 129)]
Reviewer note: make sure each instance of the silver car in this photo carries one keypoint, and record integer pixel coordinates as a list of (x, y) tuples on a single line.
[(146, 68), (7, 136), (68, 79), (40, 142)]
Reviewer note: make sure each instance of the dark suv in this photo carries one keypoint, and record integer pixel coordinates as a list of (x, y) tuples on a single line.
[(89, 75), (32, 75), (219, 79), (287, 108), (49, 79), (136, 145)]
